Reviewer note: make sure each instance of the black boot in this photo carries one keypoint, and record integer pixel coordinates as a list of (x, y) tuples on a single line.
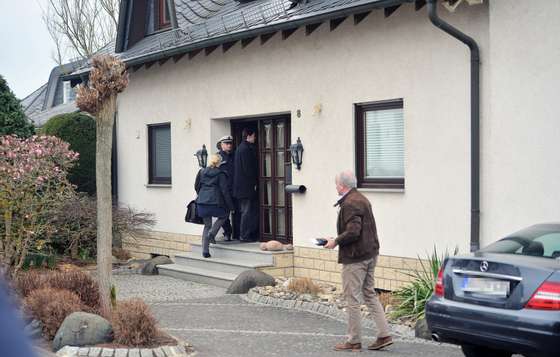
[(206, 255)]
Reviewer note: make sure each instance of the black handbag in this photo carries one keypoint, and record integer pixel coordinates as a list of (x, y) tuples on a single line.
[(192, 216)]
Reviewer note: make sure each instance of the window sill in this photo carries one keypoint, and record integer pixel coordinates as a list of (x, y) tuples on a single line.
[(157, 185), (382, 190)]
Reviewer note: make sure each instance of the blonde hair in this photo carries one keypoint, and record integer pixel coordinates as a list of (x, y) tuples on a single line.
[(215, 160)]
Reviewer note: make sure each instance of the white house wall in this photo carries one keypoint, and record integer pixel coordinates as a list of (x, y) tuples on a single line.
[(521, 165), (403, 56)]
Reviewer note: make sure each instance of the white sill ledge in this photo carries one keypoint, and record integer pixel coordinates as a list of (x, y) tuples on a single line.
[(382, 190), (157, 185)]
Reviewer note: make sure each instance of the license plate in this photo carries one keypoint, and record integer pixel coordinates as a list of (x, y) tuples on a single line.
[(485, 286)]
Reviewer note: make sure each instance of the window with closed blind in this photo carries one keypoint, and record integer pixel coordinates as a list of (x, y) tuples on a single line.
[(159, 156), (380, 144)]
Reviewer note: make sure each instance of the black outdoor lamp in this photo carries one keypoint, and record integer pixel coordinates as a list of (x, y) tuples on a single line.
[(297, 153), (202, 156)]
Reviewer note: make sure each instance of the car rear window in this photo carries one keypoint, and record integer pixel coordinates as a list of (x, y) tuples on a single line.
[(538, 244)]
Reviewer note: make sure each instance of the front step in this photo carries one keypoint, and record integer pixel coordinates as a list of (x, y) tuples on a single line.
[(249, 252), (197, 275), (224, 265), (227, 262)]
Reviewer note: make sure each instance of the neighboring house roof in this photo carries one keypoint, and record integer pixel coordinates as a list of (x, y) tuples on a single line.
[(35, 101), (209, 23), (47, 101)]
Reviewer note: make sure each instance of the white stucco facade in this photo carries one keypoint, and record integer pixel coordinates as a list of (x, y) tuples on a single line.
[(403, 56)]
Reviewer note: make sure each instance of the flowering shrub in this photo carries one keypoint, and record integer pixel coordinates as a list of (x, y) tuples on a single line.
[(33, 185)]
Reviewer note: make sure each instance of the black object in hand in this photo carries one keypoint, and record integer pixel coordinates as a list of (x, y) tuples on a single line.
[(321, 241)]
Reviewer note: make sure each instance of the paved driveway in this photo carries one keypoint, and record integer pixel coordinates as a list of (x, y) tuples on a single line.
[(225, 325)]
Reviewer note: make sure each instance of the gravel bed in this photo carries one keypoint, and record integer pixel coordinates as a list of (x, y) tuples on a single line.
[(157, 288)]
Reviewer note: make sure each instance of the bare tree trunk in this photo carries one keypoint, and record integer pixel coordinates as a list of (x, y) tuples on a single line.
[(104, 200)]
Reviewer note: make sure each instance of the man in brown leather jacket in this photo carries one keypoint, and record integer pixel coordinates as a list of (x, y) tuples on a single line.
[(358, 252)]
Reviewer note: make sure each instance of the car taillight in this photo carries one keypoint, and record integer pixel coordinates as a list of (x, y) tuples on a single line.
[(547, 297), (438, 291)]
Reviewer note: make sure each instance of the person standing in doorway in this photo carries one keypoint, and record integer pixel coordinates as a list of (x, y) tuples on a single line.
[(245, 182), (358, 251), (213, 200), (225, 150)]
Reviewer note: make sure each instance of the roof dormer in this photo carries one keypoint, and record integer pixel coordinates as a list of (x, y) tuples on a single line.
[(141, 18)]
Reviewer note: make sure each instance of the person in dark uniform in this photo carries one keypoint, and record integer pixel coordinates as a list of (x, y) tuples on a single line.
[(245, 182), (225, 150)]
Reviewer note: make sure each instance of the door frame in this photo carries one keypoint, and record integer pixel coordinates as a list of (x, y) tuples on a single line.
[(258, 121)]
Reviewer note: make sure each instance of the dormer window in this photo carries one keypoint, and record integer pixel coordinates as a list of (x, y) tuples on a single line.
[(159, 16), (164, 18)]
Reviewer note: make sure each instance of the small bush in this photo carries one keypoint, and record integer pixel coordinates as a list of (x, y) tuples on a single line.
[(134, 324), (304, 286), (78, 282), (411, 299), (51, 306), (28, 281), (121, 254)]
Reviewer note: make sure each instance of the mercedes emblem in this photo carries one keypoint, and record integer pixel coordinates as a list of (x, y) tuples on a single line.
[(484, 266)]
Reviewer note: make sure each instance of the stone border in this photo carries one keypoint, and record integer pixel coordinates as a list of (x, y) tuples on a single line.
[(326, 309), (164, 351)]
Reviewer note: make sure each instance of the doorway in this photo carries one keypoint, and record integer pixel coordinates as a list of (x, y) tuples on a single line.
[(274, 162)]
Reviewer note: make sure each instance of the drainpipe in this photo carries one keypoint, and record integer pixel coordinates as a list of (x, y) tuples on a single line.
[(475, 118)]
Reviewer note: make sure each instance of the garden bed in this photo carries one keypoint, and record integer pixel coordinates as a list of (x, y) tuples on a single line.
[(326, 300)]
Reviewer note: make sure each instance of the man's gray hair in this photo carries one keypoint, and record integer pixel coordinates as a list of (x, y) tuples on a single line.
[(347, 179)]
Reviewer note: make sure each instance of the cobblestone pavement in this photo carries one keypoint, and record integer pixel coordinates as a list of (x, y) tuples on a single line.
[(226, 325)]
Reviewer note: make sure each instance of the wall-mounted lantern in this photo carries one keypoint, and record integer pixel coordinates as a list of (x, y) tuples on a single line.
[(297, 153), (202, 157)]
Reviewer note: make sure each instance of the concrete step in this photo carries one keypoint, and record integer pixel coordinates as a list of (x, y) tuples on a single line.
[(244, 252), (225, 265), (198, 275)]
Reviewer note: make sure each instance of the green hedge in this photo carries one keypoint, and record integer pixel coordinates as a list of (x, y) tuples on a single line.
[(78, 130)]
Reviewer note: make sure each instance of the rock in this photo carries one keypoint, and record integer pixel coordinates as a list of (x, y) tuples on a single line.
[(274, 246), (151, 265), (82, 329), (249, 279), (421, 330), (34, 330)]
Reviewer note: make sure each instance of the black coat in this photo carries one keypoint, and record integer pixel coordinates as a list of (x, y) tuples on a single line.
[(228, 166), (246, 171), (211, 185)]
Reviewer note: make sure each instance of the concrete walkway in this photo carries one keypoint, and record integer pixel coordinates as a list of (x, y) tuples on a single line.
[(226, 325)]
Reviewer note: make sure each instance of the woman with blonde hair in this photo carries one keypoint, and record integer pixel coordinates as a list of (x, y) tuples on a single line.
[(214, 200)]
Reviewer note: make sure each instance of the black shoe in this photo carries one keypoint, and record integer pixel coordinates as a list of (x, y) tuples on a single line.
[(227, 238), (206, 255)]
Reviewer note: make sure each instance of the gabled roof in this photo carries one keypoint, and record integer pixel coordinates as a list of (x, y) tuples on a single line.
[(210, 23)]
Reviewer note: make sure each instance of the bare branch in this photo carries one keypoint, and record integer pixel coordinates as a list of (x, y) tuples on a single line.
[(80, 28)]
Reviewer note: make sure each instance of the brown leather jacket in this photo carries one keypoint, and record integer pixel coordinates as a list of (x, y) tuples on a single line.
[(357, 233)]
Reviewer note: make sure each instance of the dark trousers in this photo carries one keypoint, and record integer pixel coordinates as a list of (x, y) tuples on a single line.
[(232, 230), (249, 221), (210, 231)]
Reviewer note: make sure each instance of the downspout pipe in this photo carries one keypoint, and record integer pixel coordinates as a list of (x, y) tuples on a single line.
[(475, 117)]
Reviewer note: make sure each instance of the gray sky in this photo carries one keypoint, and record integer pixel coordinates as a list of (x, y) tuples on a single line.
[(25, 46)]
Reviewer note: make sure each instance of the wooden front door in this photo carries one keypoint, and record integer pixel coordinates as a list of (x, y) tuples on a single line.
[(275, 205)]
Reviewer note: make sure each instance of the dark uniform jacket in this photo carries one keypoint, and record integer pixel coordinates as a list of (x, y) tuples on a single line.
[(228, 166), (357, 233), (211, 186), (246, 171)]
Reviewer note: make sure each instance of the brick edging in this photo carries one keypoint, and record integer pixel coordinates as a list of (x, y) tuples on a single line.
[(164, 351)]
